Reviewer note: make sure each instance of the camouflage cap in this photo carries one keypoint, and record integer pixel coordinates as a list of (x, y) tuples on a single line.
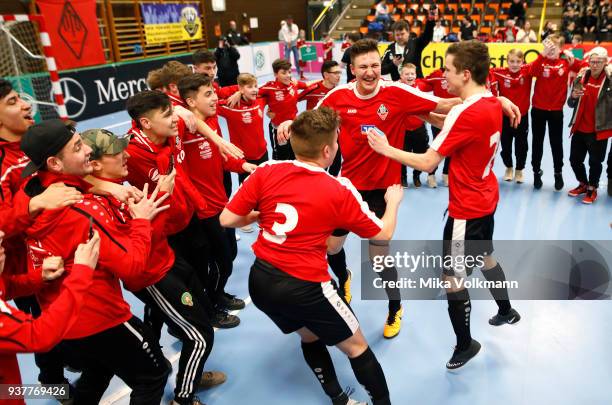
[(104, 142)]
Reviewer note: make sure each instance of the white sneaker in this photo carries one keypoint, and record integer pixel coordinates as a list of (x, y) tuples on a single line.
[(518, 176), (431, 181), (445, 180), (247, 229), (238, 237), (509, 174), (352, 401)]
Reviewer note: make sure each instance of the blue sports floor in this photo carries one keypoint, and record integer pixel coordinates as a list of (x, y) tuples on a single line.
[(558, 354)]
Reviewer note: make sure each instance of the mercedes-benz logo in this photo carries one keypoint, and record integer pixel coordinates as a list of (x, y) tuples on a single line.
[(74, 96)]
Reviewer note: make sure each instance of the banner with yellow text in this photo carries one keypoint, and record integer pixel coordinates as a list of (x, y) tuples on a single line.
[(171, 22), (432, 57)]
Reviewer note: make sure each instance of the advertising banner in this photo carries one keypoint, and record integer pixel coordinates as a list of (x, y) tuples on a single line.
[(171, 22)]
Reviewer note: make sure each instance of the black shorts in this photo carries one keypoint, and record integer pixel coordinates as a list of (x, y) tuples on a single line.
[(376, 202), (464, 238), (292, 304)]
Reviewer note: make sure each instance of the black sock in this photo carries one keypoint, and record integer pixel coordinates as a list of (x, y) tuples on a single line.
[(370, 374), (500, 294), (390, 274), (320, 362), (337, 263), (459, 309)]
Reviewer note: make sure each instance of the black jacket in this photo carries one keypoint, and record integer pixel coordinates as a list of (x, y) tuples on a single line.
[(412, 52), (227, 62), (236, 38)]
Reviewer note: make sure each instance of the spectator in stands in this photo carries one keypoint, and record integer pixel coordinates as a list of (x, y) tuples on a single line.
[(234, 37), (589, 22), (289, 35), (570, 16), (572, 5), (382, 13), (439, 32), (605, 28), (467, 31), (517, 11), (508, 33), (407, 47), (227, 63), (549, 28), (569, 32), (345, 62), (592, 4), (526, 34)]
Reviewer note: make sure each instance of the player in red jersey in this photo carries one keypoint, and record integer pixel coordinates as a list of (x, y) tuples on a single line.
[(331, 72), (514, 82), (416, 138), (166, 284), (281, 95), (245, 122), (328, 46), (549, 96), (20, 333), (208, 168), (108, 339), (301, 44), (589, 130), (436, 83), (289, 280), (371, 102), (156, 149), (471, 136)]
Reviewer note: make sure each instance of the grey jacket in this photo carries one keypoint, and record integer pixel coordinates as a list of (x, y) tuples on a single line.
[(603, 110)]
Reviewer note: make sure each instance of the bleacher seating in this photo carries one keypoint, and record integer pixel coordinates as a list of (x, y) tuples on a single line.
[(487, 15)]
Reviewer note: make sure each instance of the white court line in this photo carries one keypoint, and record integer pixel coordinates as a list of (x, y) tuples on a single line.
[(125, 391), (119, 124)]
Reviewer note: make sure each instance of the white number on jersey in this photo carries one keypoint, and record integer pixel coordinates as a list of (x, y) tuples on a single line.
[(280, 230), (494, 140)]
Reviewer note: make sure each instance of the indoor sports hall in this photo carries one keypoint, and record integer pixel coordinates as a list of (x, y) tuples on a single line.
[(556, 354)]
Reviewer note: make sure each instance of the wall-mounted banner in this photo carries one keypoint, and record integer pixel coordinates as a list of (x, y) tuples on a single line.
[(171, 22)]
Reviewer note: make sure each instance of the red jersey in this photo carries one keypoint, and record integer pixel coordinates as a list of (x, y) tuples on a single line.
[(313, 94), (516, 86), (437, 83), (585, 116), (161, 258), (413, 122), (550, 92), (295, 220), (20, 333), (148, 161), (470, 137), (246, 126), (281, 99), (176, 100), (15, 217), (12, 162), (122, 256), (207, 165), (345, 45), (328, 47), (386, 108)]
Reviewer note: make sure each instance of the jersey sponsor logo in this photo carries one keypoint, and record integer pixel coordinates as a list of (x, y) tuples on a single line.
[(154, 174), (247, 118), (205, 150), (365, 127), (187, 299), (351, 111), (382, 112), (279, 95), (546, 72)]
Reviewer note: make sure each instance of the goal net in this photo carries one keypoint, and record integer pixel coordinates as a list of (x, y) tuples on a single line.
[(26, 60)]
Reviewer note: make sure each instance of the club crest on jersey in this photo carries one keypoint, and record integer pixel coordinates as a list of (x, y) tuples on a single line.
[(522, 81), (382, 112), (561, 71), (507, 83), (187, 299), (444, 84)]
